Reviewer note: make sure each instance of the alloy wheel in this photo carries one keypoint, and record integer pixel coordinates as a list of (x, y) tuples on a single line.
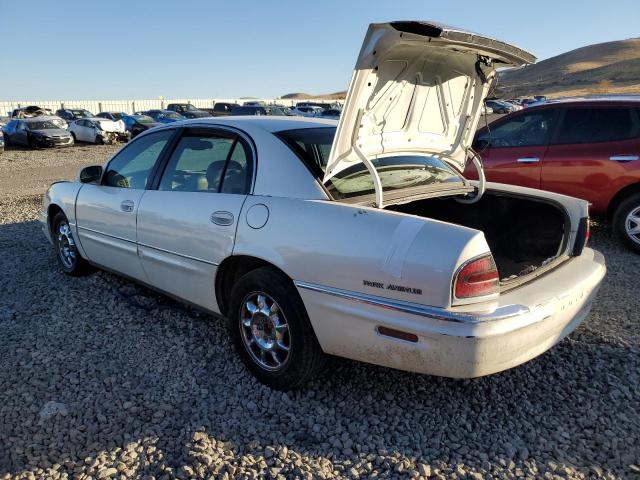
[(264, 331), (66, 245), (632, 225)]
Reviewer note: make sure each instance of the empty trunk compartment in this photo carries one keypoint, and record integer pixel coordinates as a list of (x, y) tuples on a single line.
[(523, 233)]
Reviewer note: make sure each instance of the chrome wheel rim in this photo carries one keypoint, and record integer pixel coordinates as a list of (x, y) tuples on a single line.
[(264, 331), (632, 225), (66, 245)]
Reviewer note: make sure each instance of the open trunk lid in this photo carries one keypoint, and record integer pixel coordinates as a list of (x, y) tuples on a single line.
[(417, 87)]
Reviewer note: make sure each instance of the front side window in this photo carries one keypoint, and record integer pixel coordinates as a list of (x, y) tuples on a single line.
[(132, 166), (207, 162), (526, 130), (313, 146), (592, 125)]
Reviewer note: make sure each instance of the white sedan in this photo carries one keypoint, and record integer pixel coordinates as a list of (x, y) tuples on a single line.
[(98, 130), (363, 241)]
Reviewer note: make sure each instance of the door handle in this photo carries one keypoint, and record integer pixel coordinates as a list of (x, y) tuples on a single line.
[(126, 206), (222, 218), (624, 158), (528, 160)]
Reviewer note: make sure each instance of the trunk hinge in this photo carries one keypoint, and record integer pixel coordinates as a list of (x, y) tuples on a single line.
[(377, 183)]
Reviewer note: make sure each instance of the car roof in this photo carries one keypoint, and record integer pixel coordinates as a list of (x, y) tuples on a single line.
[(594, 99), (37, 119), (264, 122)]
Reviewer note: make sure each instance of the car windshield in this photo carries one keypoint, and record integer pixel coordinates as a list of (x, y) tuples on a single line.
[(396, 172), (43, 125), (81, 113), (144, 119)]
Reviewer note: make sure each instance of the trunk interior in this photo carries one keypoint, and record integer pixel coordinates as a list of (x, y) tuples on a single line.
[(523, 234)]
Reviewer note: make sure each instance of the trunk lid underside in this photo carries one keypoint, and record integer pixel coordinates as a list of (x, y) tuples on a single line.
[(417, 88)]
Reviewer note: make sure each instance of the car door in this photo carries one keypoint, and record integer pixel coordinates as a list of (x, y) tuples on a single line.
[(80, 130), (187, 225), (21, 135), (513, 149), (106, 212), (591, 152)]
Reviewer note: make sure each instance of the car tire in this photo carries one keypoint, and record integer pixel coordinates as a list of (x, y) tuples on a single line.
[(276, 342), (626, 222), (99, 140), (67, 253), (73, 136)]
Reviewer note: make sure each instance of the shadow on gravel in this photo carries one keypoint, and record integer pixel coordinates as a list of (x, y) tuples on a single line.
[(150, 384)]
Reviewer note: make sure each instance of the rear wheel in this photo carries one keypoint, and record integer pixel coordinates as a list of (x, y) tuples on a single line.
[(272, 332), (67, 253), (99, 140), (626, 222)]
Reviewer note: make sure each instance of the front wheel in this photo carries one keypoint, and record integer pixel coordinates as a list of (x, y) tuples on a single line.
[(626, 222), (272, 332), (67, 253)]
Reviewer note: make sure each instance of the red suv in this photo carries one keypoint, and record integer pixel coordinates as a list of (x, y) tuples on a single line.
[(586, 148)]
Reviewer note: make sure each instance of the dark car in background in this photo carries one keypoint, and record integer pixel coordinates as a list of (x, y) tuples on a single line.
[(30, 111), (587, 148), (331, 113), (257, 110), (36, 132), (164, 116), (73, 114), (187, 110), (323, 105), (136, 124), (113, 116), (499, 106), (1, 142), (222, 109)]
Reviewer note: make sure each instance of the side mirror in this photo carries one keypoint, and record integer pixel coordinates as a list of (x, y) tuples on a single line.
[(90, 174)]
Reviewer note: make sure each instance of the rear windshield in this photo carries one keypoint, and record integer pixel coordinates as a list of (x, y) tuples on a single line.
[(396, 172), (44, 125)]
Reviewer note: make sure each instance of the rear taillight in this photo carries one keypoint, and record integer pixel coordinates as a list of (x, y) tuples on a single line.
[(477, 278), (582, 236)]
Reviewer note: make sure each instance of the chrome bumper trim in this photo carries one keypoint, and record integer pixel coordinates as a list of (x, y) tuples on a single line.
[(435, 313)]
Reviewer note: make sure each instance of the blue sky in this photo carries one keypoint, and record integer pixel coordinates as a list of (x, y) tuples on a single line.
[(83, 49)]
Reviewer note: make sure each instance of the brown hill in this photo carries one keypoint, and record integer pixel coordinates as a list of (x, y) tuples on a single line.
[(304, 96), (602, 68)]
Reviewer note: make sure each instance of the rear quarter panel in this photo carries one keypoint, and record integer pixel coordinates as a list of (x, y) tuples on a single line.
[(359, 249)]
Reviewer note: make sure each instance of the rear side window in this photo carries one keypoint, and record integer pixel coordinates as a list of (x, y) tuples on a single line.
[(207, 162), (592, 125), (197, 164)]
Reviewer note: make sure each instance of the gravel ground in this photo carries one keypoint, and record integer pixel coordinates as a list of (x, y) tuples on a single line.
[(100, 378)]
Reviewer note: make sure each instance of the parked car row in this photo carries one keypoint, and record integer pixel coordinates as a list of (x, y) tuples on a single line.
[(107, 127)]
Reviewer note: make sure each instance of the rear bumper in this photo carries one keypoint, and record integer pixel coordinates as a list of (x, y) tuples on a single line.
[(455, 342)]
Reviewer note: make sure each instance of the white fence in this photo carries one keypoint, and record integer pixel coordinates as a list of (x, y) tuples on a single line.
[(130, 106)]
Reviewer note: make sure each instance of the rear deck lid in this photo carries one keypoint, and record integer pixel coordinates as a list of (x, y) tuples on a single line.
[(417, 88)]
